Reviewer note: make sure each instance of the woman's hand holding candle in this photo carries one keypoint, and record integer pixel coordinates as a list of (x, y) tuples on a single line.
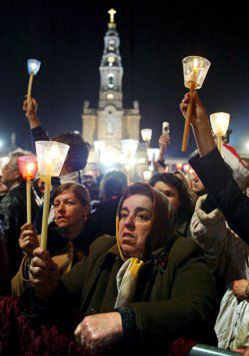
[(28, 240), (43, 274), (200, 124)]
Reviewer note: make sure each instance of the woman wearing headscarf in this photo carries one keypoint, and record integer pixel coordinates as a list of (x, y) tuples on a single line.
[(140, 292)]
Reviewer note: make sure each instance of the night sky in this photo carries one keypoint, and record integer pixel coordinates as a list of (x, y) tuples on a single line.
[(67, 37)]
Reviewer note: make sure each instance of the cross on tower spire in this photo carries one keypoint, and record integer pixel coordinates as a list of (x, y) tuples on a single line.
[(112, 12)]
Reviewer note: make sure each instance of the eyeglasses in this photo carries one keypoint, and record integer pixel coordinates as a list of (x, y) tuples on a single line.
[(141, 217)]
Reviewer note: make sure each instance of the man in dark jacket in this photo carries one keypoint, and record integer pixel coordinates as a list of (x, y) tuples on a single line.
[(104, 213)]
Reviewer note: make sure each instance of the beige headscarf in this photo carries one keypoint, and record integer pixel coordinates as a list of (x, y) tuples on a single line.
[(161, 227)]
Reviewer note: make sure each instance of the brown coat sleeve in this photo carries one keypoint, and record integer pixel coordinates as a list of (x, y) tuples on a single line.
[(21, 279)]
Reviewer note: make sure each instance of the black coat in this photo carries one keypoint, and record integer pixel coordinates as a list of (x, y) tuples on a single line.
[(224, 191), (12, 217), (105, 216)]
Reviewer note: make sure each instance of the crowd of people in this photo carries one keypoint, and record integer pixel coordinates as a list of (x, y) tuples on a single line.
[(150, 268)]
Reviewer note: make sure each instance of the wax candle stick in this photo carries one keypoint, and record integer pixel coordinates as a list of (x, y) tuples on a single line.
[(45, 212), (188, 119), (195, 70), (28, 200)]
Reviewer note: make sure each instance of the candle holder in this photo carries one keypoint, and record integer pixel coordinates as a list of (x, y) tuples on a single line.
[(129, 149), (146, 136), (28, 169), (153, 154), (33, 68), (195, 69), (50, 158), (219, 123), (98, 148), (147, 175)]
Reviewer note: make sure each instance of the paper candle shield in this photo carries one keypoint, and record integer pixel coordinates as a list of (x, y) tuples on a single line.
[(50, 157), (195, 69), (27, 166), (220, 122), (146, 135), (129, 147), (33, 66)]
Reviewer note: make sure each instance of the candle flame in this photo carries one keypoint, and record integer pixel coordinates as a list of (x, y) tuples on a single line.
[(220, 123), (54, 152), (30, 167), (195, 63), (33, 66)]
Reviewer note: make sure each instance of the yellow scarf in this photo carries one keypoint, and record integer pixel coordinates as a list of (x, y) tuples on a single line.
[(127, 276), (127, 280)]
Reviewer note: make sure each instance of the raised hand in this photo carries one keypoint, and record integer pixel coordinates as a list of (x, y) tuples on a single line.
[(163, 142), (200, 124), (241, 289), (199, 114), (30, 109)]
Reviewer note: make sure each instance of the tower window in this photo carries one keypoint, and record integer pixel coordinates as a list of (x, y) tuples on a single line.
[(110, 80), (111, 45)]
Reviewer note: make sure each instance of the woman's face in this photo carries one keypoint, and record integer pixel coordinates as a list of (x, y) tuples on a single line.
[(134, 224), (69, 211), (197, 185), (170, 192)]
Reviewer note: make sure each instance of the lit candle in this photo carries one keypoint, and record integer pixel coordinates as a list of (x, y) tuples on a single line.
[(129, 149), (146, 136), (195, 70), (98, 147), (147, 175), (28, 169), (219, 122), (50, 156)]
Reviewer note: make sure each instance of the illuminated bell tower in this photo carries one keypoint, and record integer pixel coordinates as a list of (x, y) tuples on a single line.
[(111, 70), (110, 122), (110, 108)]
